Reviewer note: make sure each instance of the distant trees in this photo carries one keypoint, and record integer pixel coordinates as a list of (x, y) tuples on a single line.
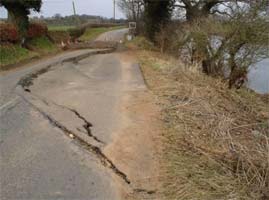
[(18, 11), (57, 16)]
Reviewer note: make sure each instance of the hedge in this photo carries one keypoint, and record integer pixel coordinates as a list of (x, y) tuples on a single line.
[(36, 30), (8, 33)]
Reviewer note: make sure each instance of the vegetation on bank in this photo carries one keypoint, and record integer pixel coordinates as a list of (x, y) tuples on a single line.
[(15, 53), (11, 54), (35, 43), (42, 45), (216, 142)]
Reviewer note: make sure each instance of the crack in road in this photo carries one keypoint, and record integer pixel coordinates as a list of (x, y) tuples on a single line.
[(139, 190), (104, 160), (27, 81), (87, 126)]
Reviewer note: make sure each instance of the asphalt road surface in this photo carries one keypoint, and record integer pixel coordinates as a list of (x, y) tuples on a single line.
[(55, 122)]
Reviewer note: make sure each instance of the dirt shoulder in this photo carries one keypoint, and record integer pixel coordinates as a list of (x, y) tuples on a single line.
[(136, 143), (215, 141)]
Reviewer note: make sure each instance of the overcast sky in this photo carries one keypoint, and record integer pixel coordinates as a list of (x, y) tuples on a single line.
[(64, 7)]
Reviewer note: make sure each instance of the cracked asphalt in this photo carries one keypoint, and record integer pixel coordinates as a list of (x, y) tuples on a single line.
[(53, 132)]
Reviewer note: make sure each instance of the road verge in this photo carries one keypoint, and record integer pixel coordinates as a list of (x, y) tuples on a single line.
[(215, 140)]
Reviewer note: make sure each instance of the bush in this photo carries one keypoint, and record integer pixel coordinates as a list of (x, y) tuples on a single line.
[(36, 30), (42, 45), (141, 43), (8, 33), (58, 36), (76, 32)]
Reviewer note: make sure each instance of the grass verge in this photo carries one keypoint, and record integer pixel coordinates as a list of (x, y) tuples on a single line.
[(92, 33), (42, 45), (216, 143), (14, 54), (11, 54)]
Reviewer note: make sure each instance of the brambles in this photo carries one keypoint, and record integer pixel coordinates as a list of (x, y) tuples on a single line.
[(8, 33), (36, 30)]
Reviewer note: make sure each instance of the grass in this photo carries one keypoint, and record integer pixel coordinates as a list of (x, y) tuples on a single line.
[(92, 33), (216, 143), (60, 28), (14, 54), (43, 45), (140, 43), (11, 54)]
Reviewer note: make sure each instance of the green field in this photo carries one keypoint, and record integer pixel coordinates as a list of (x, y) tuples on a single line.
[(60, 28), (92, 33)]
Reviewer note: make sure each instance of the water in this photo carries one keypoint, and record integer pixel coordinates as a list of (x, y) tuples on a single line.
[(258, 77)]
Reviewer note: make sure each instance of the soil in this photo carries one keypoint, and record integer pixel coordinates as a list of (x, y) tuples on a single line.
[(136, 146)]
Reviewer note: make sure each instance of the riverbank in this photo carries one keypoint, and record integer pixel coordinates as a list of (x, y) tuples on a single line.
[(216, 140)]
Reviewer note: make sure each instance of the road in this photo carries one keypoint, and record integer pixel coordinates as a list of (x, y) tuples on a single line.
[(116, 35), (56, 123)]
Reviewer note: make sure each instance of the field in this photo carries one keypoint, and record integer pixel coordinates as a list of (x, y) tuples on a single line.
[(60, 28)]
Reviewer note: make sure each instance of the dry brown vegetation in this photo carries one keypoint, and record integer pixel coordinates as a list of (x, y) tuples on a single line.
[(217, 140)]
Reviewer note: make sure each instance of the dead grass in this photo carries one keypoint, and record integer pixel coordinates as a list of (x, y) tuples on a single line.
[(217, 140)]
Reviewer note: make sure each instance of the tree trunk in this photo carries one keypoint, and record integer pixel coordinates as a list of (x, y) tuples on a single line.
[(19, 17)]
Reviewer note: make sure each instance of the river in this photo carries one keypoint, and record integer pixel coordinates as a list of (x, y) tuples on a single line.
[(258, 77)]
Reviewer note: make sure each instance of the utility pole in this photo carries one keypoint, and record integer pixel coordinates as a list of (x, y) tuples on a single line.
[(75, 13), (114, 10), (74, 8)]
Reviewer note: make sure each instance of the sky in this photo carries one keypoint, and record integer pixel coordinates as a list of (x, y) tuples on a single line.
[(64, 7)]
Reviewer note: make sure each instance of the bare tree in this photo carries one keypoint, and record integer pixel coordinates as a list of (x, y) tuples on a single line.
[(199, 9), (133, 9), (229, 45)]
